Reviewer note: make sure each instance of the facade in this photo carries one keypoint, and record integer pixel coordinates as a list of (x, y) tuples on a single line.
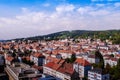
[(38, 59), (97, 74), (2, 60), (9, 60), (2, 63), (20, 71), (81, 66), (93, 59), (61, 70), (111, 61)]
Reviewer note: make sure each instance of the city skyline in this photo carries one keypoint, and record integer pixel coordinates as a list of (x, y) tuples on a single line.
[(25, 18)]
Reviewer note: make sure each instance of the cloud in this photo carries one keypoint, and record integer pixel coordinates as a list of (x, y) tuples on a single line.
[(24, 10), (99, 13), (65, 8), (104, 0), (117, 4), (46, 4), (84, 10), (100, 5), (63, 17)]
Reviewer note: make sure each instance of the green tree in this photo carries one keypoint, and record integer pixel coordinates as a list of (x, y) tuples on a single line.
[(107, 68), (73, 58), (101, 63), (112, 55)]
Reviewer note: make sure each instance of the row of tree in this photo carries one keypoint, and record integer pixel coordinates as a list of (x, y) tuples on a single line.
[(113, 35)]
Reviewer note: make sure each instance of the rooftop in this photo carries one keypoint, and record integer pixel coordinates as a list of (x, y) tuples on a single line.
[(23, 71)]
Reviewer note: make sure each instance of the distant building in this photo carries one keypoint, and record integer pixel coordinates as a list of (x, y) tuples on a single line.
[(98, 74)]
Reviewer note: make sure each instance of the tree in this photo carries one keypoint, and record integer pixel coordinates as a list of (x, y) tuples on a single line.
[(107, 68), (73, 58), (115, 71), (101, 63), (111, 55), (85, 78), (118, 64)]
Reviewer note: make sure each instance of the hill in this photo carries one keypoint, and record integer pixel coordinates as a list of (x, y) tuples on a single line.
[(113, 35)]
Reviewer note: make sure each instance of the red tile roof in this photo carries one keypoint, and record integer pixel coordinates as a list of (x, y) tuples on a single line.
[(52, 59), (65, 68), (38, 55), (82, 62), (27, 58), (37, 67), (9, 58), (55, 64)]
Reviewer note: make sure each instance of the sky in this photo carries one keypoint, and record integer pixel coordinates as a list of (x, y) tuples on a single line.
[(27, 18)]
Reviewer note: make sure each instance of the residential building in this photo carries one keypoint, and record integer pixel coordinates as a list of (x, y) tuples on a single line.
[(20, 71), (37, 58), (81, 66), (98, 74), (93, 59), (111, 61), (60, 69)]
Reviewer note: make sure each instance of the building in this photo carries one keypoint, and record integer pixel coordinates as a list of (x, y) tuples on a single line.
[(38, 59), (2, 60), (2, 63), (98, 74), (93, 59), (20, 71), (48, 77), (9, 60), (81, 66), (60, 69), (111, 61)]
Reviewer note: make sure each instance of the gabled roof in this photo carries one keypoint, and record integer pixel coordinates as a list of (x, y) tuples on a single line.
[(82, 62), (9, 58), (67, 68), (53, 65), (53, 59), (38, 55)]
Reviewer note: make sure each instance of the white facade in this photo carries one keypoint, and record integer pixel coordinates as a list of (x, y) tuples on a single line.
[(66, 55), (93, 60), (110, 62), (97, 76), (81, 70), (55, 73)]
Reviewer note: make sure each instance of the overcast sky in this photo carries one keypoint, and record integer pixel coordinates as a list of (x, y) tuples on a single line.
[(25, 18)]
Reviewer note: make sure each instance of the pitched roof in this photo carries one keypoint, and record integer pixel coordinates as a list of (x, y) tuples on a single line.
[(9, 58), (52, 59), (82, 62), (67, 68), (38, 55), (37, 67), (53, 65)]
